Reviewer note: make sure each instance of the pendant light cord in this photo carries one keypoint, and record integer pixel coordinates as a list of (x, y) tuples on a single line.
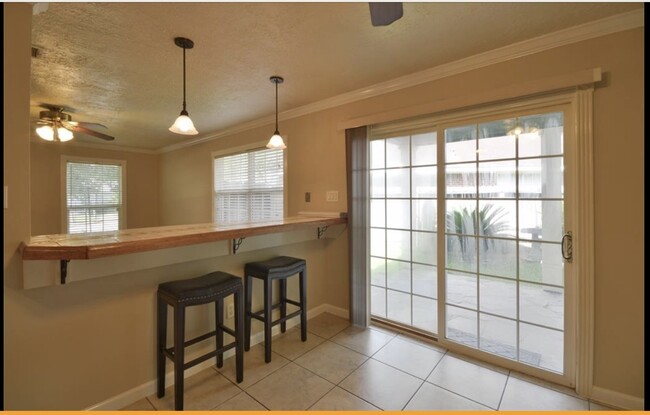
[(184, 102), (276, 108)]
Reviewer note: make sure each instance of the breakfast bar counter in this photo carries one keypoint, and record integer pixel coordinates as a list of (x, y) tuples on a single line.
[(46, 255)]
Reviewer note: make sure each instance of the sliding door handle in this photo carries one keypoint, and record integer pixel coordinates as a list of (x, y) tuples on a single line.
[(567, 246)]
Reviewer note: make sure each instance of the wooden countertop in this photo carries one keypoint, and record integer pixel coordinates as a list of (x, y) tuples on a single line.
[(104, 244)]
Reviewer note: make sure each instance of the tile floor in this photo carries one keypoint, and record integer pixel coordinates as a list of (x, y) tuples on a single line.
[(342, 367)]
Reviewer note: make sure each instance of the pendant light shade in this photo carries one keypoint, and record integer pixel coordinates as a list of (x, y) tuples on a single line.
[(276, 141), (183, 124)]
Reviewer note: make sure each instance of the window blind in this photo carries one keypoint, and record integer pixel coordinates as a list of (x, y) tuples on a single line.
[(93, 197), (249, 186)]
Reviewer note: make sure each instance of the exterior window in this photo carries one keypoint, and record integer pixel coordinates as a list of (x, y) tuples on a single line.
[(94, 195), (249, 186)]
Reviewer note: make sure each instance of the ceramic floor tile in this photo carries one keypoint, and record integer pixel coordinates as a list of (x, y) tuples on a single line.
[(366, 341), (326, 325), (381, 385), (241, 402), (289, 345), (203, 391), (472, 381), (341, 400), (432, 398), (593, 406), (255, 368), (290, 388), (141, 405), (412, 358), (331, 361), (525, 396)]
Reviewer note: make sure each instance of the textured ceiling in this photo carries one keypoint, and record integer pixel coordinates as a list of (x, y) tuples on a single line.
[(117, 64)]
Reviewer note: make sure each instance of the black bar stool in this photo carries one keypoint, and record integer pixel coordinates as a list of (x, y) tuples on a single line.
[(279, 268), (213, 287)]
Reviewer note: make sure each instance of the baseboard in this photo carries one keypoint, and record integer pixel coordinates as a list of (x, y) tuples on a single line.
[(149, 388), (612, 398), (328, 308)]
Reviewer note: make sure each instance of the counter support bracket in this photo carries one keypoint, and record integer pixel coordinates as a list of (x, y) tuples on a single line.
[(64, 270), (236, 243), (321, 231)]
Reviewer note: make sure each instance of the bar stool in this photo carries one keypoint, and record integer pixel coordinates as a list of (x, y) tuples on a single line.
[(279, 268), (213, 287)]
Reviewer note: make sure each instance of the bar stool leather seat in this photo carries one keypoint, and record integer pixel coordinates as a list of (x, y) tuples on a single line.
[(213, 287), (278, 268)]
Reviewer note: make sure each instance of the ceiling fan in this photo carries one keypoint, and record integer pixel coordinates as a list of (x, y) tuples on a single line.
[(57, 125), (385, 13)]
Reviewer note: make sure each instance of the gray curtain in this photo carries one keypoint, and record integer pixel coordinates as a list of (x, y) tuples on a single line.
[(356, 144)]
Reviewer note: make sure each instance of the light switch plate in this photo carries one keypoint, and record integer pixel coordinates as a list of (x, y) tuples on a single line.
[(332, 196)]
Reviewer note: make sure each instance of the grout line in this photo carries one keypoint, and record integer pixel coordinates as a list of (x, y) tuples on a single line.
[(459, 395), (250, 396), (413, 396), (150, 403), (503, 392)]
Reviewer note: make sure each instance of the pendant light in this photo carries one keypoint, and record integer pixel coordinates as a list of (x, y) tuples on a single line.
[(183, 124), (276, 141)]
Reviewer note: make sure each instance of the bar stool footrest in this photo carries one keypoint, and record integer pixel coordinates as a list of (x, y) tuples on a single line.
[(208, 356)]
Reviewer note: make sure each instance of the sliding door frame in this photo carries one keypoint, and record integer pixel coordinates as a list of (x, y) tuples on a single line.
[(577, 105)]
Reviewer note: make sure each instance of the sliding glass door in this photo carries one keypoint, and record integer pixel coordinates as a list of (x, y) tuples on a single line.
[(403, 230), (474, 209), (504, 224)]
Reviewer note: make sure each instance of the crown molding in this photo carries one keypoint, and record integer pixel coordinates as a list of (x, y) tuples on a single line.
[(98, 146), (613, 24)]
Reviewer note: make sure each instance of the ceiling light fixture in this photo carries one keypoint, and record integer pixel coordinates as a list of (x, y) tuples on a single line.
[(276, 141), (54, 131), (183, 124)]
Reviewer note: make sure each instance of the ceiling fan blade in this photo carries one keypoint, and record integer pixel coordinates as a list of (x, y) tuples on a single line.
[(87, 124), (384, 13), (56, 108), (84, 130)]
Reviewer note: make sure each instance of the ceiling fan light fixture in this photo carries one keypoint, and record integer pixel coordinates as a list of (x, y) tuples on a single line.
[(64, 135), (276, 141), (183, 124), (45, 132)]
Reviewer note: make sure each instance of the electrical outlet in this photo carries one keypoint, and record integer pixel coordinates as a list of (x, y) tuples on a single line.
[(230, 311), (307, 197)]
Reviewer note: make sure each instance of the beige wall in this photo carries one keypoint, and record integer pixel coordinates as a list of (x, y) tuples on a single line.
[(141, 185), (316, 163), (74, 346)]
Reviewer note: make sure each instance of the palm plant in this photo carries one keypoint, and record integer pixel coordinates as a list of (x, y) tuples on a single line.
[(490, 219)]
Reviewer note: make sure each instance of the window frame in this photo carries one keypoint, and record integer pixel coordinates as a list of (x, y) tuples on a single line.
[(91, 160), (246, 148)]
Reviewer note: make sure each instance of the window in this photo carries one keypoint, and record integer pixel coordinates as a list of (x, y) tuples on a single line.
[(249, 186), (94, 200)]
